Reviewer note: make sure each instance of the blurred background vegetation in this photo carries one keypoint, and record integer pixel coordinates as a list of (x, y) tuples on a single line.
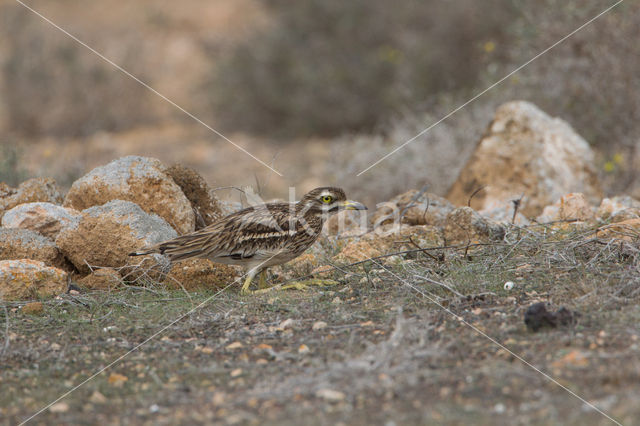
[(337, 83)]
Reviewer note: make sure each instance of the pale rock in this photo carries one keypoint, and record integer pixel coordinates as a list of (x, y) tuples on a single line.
[(45, 218), (618, 209), (19, 243), (525, 151), (413, 208), (575, 206), (29, 191), (570, 207), (105, 235), (102, 279), (141, 180), (504, 215), (466, 226), (26, 279)]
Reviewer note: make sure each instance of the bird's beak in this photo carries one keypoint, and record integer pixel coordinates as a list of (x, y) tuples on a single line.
[(352, 205)]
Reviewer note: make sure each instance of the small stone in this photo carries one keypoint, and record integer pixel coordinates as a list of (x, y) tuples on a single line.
[(466, 226), (303, 349), (319, 325), (499, 408), (234, 345), (288, 323), (59, 407), (576, 207), (102, 279), (117, 380), (330, 395), (98, 398), (413, 208), (235, 373), (218, 398), (508, 285)]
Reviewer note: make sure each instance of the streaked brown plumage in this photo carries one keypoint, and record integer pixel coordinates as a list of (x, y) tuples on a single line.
[(260, 236)]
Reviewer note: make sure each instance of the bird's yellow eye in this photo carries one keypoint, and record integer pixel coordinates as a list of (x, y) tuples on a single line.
[(327, 199)]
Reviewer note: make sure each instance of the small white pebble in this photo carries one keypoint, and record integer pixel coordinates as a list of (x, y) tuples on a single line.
[(288, 323), (508, 285), (318, 325), (499, 408), (330, 394)]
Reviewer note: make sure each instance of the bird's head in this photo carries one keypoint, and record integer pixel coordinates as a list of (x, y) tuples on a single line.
[(328, 200)]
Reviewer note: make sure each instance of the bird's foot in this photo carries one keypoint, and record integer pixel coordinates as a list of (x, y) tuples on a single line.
[(299, 285)]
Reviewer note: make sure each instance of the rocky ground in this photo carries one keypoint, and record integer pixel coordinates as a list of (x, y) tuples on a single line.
[(489, 306)]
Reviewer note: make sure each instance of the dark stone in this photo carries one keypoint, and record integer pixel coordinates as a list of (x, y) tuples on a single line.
[(537, 317)]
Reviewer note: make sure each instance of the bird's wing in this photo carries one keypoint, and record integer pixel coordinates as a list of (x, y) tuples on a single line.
[(238, 236)]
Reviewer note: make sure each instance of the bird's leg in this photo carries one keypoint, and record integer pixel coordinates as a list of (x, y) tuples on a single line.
[(262, 284), (300, 285), (247, 282), (303, 285)]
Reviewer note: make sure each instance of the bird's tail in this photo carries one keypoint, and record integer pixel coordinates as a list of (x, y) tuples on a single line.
[(142, 252), (180, 248)]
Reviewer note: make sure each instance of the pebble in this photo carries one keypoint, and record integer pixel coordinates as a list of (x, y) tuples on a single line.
[(60, 407), (330, 394), (319, 325)]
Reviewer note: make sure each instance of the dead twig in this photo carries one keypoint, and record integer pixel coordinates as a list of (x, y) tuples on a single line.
[(473, 194), (5, 345), (516, 206)]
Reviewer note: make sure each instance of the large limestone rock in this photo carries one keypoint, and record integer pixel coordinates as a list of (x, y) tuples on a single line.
[(413, 208), (204, 203), (46, 218), (106, 234), (29, 279), (526, 152), (18, 244), (29, 191), (141, 180)]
